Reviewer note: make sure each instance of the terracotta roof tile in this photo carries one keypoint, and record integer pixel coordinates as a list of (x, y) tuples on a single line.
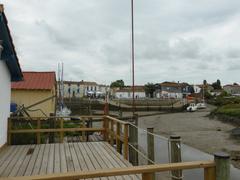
[(36, 81)]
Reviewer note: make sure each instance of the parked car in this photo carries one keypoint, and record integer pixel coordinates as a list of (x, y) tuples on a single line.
[(201, 106), (192, 107)]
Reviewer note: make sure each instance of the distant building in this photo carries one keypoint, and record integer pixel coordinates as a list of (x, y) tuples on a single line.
[(173, 90), (83, 89), (197, 89), (126, 93), (35, 87), (10, 71), (216, 92), (206, 87), (232, 89)]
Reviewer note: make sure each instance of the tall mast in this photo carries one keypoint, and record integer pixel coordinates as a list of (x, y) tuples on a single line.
[(133, 59)]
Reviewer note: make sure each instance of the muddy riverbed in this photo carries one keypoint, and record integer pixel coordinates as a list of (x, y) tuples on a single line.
[(197, 130)]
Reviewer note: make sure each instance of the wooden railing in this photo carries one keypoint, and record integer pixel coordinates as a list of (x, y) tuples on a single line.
[(147, 172), (117, 130), (113, 130)]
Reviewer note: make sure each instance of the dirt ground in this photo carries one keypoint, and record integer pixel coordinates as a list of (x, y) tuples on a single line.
[(196, 129)]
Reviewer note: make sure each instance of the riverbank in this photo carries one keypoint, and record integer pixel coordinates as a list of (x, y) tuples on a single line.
[(196, 130)]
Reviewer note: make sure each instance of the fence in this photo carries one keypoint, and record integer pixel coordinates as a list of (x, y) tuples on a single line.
[(116, 132), (146, 171), (112, 130)]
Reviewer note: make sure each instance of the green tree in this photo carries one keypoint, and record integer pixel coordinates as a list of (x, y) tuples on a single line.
[(217, 84), (117, 83), (149, 89), (205, 82)]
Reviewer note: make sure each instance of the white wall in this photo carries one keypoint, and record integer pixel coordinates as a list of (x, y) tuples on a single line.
[(129, 95), (5, 97)]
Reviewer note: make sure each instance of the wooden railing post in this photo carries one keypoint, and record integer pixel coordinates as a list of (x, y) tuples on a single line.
[(118, 142), (222, 161), (147, 176), (106, 127), (210, 173), (38, 133), (9, 138), (175, 142), (125, 141), (84, 133), (133, 140), (62, 130), (112, 133), (150, 147)]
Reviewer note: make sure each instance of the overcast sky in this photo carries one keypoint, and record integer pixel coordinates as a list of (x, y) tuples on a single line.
[(176, 40)]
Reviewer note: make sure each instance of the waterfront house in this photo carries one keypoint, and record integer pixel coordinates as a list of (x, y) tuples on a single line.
[(233, 89), (171, 90), (126, 92), (36, 87), (78, 89), (72, 89), (10, 71)]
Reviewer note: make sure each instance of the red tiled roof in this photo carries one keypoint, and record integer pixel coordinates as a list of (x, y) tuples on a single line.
[(36, 81)]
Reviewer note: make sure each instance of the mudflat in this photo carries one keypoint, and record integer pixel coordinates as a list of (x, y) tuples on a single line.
[(196, 129)]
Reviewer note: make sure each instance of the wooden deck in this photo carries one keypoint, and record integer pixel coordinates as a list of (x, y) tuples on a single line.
[(27, 160)]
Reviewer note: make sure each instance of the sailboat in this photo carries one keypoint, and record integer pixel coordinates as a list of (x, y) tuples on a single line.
[(62, 110)]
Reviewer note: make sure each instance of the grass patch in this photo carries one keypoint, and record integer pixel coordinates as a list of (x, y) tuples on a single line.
[(229, 110)]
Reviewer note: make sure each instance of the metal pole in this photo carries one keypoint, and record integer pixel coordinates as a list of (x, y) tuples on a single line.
[(133, 59)]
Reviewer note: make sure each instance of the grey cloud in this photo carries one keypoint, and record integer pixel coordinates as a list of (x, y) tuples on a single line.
[(92, 38)]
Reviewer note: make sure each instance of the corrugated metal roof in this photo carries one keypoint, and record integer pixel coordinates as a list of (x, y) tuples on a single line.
[(36, 81)]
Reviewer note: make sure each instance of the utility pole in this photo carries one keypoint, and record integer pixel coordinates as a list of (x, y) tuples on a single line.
[(133, 59)]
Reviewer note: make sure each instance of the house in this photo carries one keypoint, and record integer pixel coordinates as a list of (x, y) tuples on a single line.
[(10, 71), (126, 92), (216, 92), (83, 88), (169, 90), (197, 89), (72, 89), (233, 89), (206, 87), (36, 87)]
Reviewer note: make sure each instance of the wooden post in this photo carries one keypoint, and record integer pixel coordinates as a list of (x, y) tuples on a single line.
[(106, 127), (83, 132), (38, 133), (52, 126), (62, 130), (9, 139), (133, 139), (118, 137), (112, 133), (147, 176), (150, 143), (210, 173), (125, 142), (175, 142), (222, 161)]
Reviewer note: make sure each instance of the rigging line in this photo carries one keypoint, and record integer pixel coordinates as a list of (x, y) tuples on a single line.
[(142, 154), (156, 135)]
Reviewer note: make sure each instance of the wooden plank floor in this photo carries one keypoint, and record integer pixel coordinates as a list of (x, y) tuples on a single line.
[(27, 160)]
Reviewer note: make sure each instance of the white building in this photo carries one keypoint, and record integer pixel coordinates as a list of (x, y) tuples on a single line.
[(197, 89), (126, 93), (9, 71), (83, 88)]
